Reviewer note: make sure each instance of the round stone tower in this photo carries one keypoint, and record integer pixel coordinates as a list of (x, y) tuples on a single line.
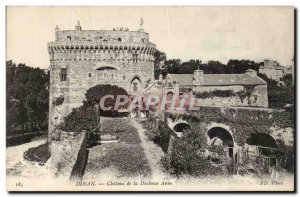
[(81, 59)]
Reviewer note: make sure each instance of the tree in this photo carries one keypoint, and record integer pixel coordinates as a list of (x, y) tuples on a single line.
[(216, 67), (159, 58), (278, 96), (27, 96), (190, 66), (172, 66), (175, 66), (240, 66), (86, 116)]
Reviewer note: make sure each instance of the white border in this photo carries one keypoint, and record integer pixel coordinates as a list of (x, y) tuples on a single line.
[(5, 3)]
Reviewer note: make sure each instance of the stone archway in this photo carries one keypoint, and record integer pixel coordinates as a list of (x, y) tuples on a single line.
[(262, 139), (221, 139), (262, 148)]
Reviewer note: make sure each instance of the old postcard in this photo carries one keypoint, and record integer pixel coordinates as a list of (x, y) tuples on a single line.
[(150, 99)]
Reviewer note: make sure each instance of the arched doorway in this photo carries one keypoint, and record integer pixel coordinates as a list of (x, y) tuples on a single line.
[(135, 85), (220, 140), (262, 148), (181, 127)]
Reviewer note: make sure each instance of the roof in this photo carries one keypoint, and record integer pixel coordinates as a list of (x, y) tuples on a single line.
[(219, 79)]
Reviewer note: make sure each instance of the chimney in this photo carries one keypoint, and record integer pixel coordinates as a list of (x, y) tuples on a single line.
[(198, 77), (78, 27), (252, 73)]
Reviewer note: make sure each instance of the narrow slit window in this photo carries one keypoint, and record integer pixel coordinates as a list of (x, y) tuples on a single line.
[(63, 74)]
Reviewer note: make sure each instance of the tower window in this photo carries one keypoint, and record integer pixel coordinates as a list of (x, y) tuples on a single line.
[(120, 39), (135, 56), (63, 74), (90, 75), (124, 77)]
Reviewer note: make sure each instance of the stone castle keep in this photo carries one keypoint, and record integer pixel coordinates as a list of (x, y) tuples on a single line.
[(81, 59)]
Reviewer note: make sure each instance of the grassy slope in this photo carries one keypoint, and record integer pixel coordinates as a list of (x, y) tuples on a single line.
[(127, 155)]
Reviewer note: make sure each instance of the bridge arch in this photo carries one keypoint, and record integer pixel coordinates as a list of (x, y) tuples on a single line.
[(264, 144), (221, 136), (263, 147), (262, 139)]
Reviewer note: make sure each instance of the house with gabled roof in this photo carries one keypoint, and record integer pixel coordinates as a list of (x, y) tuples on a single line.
[(242, 90)]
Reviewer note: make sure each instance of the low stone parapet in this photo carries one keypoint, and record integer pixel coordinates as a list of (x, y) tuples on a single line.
[(68, 155)]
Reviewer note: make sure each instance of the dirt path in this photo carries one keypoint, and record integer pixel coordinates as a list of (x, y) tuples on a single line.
[(152, 151), (17, 166)]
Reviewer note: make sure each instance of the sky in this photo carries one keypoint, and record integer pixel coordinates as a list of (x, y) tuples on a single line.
[(205, 33)]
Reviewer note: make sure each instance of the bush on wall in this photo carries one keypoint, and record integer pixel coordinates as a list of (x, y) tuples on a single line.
[(58, 101), (82, 118), (245, 93), (158, 132), (215, 93)]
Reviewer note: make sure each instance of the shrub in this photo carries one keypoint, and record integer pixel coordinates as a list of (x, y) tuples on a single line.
[(286, 156), (80, 119), (158, 132), (58, 101), (39, 154), (216, 93), (94, 95), (186, 157)]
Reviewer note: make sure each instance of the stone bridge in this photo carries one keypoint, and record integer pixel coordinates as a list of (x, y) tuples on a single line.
[(237, 128)]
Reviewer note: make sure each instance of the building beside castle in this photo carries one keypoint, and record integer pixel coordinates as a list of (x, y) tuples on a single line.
[(239, 90), (81, 59)]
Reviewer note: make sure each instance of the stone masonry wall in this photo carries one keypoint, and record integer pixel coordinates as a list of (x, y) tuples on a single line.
[(258, 98), (64, 154)]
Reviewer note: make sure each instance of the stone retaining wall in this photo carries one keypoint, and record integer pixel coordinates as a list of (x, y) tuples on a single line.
[(68, 155)]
